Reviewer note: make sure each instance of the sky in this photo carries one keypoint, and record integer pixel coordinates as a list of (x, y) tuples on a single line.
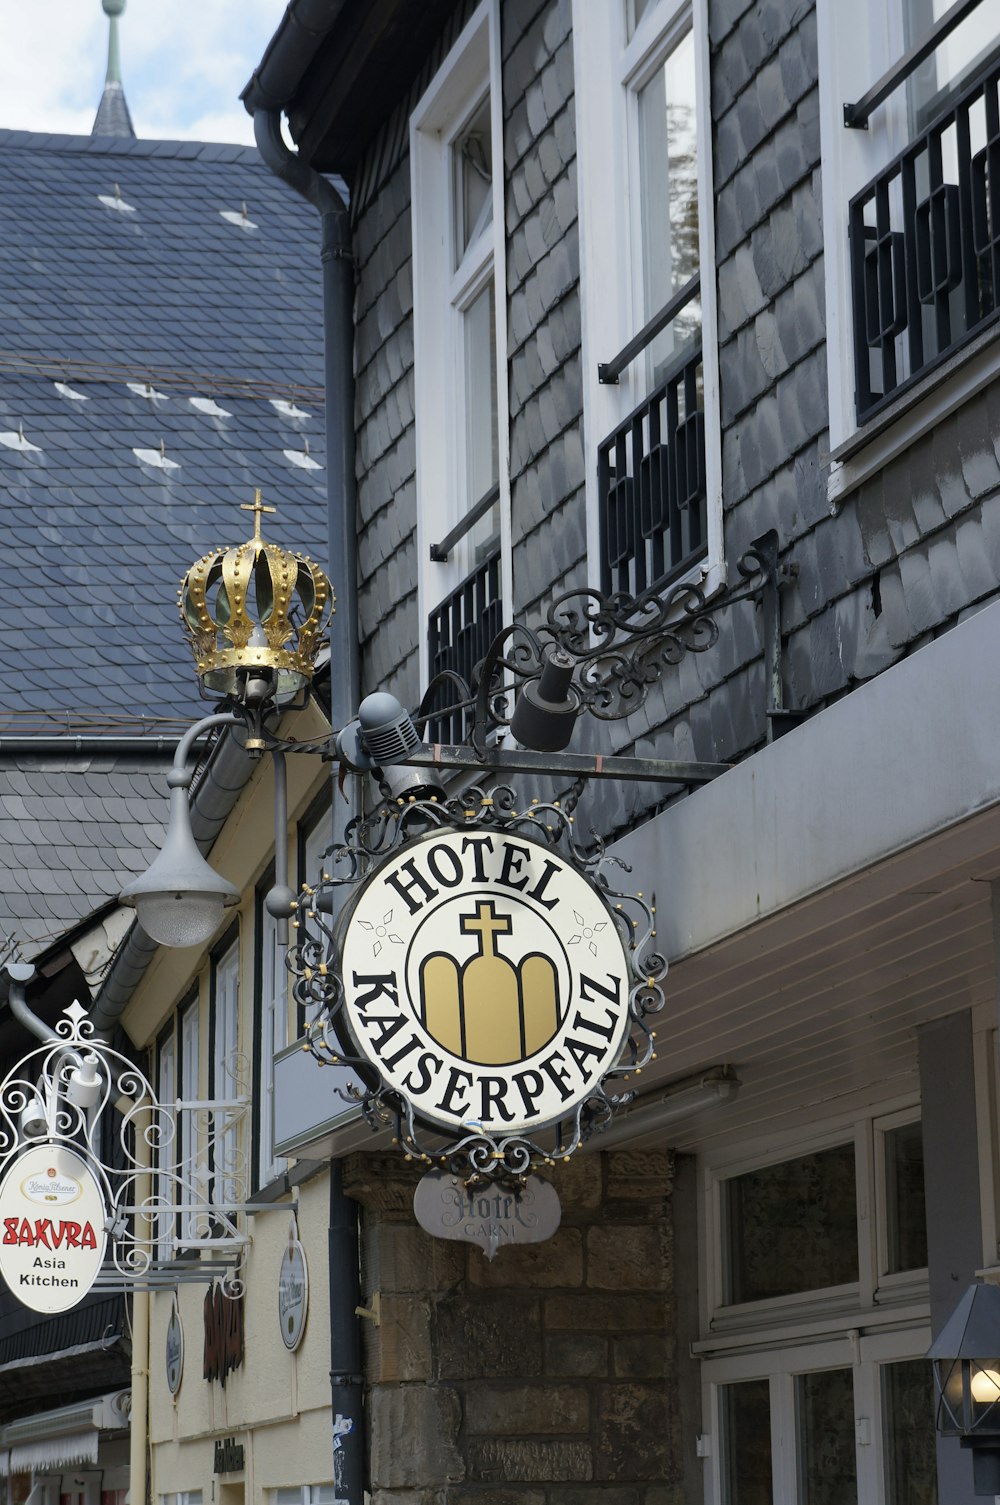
[(184, 63)]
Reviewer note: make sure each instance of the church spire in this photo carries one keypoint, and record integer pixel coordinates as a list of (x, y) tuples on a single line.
[(113, 118)]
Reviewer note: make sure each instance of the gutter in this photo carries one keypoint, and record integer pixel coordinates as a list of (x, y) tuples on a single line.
[(304, 26), (350, 1441)]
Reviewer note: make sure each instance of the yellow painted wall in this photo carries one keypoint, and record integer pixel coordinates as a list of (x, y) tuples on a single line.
[(277, 1405)]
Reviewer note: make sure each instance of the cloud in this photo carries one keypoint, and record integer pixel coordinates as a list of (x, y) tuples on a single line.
[(183, 65)]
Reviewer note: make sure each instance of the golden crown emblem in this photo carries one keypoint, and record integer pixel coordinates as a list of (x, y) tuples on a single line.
[(255, 606)]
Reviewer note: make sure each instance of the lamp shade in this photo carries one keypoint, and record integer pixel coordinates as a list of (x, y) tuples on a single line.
[(547, 707), (179, 899), (966, 1358)]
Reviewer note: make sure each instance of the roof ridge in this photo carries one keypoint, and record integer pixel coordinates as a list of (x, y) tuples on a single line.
[(128, 146)]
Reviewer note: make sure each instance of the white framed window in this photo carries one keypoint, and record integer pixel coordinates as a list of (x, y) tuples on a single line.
[(816, 1319), (857, 1238), (226, 1061), (273, 986), (646, 228), (166, 1092), (182, 1497), (845, 1419), (305, 1494), (189, 1089), (920, 279), (460, 344)]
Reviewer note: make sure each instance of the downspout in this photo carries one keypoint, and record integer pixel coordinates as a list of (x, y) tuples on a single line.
[(350, 1447)]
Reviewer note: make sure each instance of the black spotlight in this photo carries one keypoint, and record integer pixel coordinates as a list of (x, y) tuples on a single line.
[(547, 707)]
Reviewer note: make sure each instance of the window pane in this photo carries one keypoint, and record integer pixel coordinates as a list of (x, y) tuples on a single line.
[(481, 443), (908, 1422), (953, 62), (827, 1458), (472, 156), (906, 1230), (793, 1227), (668, 192), (746, 1419), (634, 12)]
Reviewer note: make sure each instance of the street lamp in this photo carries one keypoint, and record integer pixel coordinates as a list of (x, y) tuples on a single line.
[(966, 1358)]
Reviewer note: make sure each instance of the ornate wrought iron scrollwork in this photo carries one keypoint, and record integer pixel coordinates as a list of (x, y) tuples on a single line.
[(173, 1175), (619, 645)]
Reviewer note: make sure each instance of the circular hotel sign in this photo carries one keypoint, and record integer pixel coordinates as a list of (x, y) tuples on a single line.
[(486, 981), (53, 1218)]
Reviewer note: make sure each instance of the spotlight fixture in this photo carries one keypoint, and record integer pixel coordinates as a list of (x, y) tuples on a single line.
[(547, 707)]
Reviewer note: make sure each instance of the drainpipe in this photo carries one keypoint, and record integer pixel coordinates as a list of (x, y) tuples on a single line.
[(350, 1449)]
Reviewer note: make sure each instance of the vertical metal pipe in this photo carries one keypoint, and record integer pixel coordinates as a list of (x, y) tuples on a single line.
[(346, 1366), (346, 1357)]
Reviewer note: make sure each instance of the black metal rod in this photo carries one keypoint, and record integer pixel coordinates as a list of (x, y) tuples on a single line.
[(440, 551), (346, 1357), (610, 371), (578, 765), (856, 115)]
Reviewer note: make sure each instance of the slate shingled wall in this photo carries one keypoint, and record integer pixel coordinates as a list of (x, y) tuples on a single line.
[(547, 459), (901, 559)]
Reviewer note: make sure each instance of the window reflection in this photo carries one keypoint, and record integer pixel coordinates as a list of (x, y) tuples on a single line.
[(746, 1420)]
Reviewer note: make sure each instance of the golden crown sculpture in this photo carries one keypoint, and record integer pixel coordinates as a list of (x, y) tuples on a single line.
[(237, 606)]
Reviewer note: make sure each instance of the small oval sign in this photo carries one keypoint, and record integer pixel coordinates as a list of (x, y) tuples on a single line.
[(293, 1290), (53, 1221)]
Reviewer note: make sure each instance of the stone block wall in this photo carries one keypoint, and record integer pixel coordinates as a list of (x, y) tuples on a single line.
[(546, 1377)]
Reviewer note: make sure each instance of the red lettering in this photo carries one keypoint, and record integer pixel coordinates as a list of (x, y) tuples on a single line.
[(24, 1233), (88, 1239), (43, 1227), (10, 1230), (70, 1232)]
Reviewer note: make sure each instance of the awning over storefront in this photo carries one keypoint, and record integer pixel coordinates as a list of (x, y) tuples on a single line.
[(64, 1438)]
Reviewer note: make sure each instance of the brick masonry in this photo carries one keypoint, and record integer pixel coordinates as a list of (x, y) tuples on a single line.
[(545, 1376)]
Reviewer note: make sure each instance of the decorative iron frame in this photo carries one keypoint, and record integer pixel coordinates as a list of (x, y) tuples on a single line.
[(207, 1189), (620, 646), (314, 963)]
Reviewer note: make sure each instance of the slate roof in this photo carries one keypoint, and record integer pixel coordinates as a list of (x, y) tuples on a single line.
[(73, 829), (213, 314), (171, 296)]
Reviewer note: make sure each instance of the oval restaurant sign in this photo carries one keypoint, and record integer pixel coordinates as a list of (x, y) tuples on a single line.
[(53, 1218), (486, 980)]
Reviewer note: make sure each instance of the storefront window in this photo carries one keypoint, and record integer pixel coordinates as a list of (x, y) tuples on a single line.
[(906, 1223), (908, 1423), (746, 1419), (792, 1227), (828, 1461)]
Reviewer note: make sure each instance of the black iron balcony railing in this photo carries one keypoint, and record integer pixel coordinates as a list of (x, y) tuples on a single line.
[(925, 247), (651, 484), (460, 631)]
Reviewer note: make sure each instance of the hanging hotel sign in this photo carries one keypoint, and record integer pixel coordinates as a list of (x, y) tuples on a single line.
[(485, 982), (54, 1217), (293, 1290)]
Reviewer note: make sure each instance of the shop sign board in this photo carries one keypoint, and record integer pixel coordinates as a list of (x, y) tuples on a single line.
[(488, 1214), (293, 1290), (229, 1456), (54, 1220), (174, 1349), (486, 981)]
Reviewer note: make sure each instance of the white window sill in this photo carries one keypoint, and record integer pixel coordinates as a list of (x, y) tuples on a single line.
[(941, 392)]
